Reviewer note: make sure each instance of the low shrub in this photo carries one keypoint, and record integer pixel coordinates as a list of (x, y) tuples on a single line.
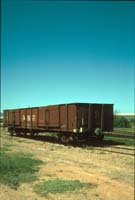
[(121, 122)]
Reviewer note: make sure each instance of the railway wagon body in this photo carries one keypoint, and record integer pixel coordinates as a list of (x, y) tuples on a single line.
[(70, 121)]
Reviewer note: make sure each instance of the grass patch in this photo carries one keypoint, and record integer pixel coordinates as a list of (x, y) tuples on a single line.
[(125, 130), (124, 141), (6, 147), (59, 186), (51, 134), (3, 149), (16, 168)]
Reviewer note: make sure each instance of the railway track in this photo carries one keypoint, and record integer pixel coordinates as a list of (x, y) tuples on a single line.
[(118, 150), (121, 135), (123, 150)]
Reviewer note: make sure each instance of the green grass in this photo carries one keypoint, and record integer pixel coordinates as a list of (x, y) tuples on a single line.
[(124, 141), (16, 168), (125, 130), (53, 134), (6, 147), (59, 186)]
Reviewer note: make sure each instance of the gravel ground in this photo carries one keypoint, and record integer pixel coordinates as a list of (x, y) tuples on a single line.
[(111, 173)]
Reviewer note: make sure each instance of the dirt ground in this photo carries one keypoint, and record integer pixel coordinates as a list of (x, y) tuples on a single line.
[(111, 173)]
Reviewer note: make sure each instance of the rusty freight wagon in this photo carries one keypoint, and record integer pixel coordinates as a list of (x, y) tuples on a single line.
[(70, 121)]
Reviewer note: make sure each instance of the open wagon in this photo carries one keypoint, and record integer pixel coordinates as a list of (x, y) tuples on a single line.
[(74, 121)]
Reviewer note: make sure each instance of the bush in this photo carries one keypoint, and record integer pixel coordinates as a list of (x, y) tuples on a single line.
[(132, 121), (121, 122)]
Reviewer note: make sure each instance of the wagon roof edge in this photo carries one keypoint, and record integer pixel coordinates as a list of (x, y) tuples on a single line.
[(75, 103)]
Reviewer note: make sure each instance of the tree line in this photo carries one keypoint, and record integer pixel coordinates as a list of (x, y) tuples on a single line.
[(123, 122)]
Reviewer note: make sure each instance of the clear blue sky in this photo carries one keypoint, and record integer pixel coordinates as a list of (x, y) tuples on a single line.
[(61, 52)]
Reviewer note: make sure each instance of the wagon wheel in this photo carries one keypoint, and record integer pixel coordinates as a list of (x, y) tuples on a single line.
[(25, 133), (66, 139), (31, 133), (99, 134), (101, 137), (17, 133), (63, 139), (11, 131)]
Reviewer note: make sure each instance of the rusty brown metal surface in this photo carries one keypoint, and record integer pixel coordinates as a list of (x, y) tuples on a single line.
[(64, 117)]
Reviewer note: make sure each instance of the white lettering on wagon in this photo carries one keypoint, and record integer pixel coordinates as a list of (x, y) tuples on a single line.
[(33, 118), (23, 117), (28, 118)]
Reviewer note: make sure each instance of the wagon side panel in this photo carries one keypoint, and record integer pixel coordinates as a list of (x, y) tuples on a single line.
[(41, 117), (108, 117), (96, 115), (72, 118), (82, 116), (11, 118), (5, 118), (23, 118), (17, 117), (52, 117), (63, 117), (34, 117), (28, 118)]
